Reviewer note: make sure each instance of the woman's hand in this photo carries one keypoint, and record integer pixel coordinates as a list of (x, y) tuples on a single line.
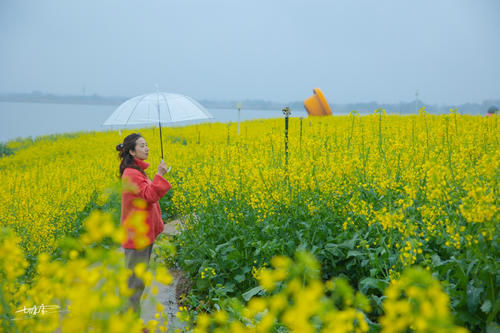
[(162, 168)]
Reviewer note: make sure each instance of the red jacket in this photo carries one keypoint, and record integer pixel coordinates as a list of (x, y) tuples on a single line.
[(151, 192)]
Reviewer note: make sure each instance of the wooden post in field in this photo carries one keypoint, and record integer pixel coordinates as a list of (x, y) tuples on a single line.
[(286, 112)]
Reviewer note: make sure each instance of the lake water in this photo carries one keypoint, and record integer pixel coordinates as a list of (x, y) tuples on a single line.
[(36, 119)]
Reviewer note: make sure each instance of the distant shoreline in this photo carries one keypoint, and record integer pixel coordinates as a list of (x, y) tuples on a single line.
[(116, 101), (210, 105), (85, 100), (410, 107), (57, 102)]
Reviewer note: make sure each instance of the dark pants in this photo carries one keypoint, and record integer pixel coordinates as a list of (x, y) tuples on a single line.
[(132, 258)]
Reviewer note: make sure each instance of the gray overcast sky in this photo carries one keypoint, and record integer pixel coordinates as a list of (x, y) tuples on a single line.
[(354, 50)]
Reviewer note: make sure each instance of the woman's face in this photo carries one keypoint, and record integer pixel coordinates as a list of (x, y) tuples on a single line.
[(141, 149)]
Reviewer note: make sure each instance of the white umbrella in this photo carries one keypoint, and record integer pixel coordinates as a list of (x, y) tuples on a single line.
[(157, 108)]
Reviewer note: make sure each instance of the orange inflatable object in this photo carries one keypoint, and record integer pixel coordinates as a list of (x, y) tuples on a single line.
[(316, 105)]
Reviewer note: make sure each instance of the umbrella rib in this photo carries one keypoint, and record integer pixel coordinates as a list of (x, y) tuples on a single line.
[(115, 116), (202, 108), (122, 110), (168, 108), (135, 107)]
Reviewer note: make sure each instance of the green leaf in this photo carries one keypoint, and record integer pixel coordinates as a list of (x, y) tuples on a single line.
[(234, 255), (348, 244), (251, 293), (371, 283), (220, 246), (378, 300), (470, 267), (436, 260), (240, 278), (202, 283), (473, 296), (486, 307), (334, 250), (190, 262), (354, 253)]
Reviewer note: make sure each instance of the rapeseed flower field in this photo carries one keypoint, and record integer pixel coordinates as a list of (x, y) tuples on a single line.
[(400, 215)]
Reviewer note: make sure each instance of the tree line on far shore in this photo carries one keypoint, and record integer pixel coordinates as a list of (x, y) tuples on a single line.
[(409, 107)]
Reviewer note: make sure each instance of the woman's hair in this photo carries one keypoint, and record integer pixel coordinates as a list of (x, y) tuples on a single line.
[(124, 149)]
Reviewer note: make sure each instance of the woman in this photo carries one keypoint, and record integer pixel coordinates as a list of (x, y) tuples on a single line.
[(139, 194)]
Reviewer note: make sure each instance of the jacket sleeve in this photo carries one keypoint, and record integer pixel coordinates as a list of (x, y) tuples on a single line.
[(149, 192)]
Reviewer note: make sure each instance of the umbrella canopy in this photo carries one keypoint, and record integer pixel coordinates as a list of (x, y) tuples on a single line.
[(157, 108)]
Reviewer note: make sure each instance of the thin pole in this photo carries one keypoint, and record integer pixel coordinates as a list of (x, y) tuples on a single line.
[(159, 125), (286, 112), (286, 139), (239, 113)]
